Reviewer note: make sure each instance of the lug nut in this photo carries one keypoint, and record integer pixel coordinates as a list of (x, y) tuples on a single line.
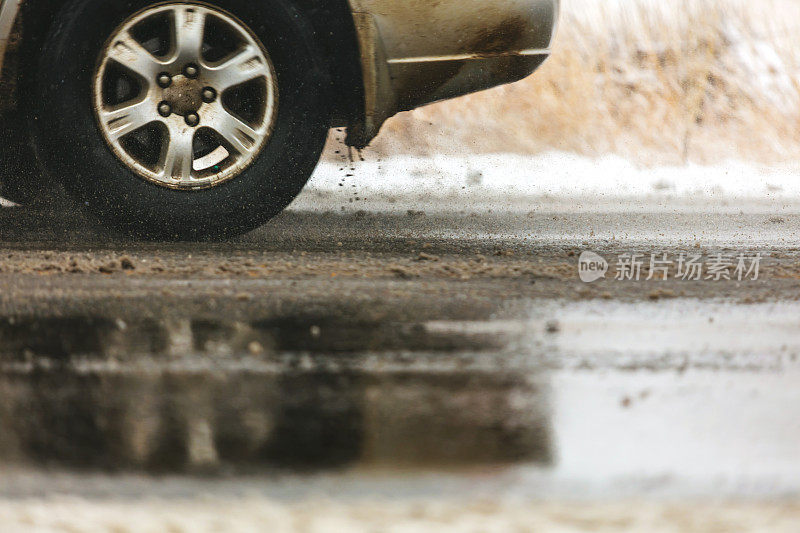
[(164, 109), (191, 71), (164, 80), (192, 119), (209, 95)]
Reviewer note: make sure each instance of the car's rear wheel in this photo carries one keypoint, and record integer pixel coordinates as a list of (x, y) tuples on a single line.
[(182, 120)]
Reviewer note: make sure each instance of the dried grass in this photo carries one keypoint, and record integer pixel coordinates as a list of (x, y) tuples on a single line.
[(666, 82)]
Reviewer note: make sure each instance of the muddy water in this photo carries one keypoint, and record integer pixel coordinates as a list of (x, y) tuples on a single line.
[(577, 398), (205, 395)]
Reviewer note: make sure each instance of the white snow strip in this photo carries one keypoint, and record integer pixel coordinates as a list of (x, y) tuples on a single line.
[(555, 174)]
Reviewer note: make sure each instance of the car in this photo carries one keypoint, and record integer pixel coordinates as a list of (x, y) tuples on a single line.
[(193, 120)]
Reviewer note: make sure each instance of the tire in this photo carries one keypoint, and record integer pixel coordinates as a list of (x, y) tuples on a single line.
[(75, 149), (18, 181), (24, 181)]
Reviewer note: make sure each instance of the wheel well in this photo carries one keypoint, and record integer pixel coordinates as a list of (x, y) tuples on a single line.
[(331, 19)]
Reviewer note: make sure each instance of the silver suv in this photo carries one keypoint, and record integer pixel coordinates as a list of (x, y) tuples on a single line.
[(184, 120)]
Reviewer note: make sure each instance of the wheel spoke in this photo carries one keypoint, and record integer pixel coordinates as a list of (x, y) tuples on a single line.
[(240, 136), (188, 29), (128, 118), (178, 154), (247, 64), (127, 51)]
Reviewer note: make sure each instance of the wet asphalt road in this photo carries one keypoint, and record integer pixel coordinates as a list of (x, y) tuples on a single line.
[(415, 340), (397, 265)]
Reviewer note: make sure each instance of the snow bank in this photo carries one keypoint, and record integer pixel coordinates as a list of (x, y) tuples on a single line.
[(512, 179)]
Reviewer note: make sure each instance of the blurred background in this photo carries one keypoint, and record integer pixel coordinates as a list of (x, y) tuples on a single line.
[(665, 82)]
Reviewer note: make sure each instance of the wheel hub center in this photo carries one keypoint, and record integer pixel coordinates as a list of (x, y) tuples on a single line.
[(185, 95)]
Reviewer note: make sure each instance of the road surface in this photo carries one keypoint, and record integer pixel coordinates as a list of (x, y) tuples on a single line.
[(417, 364)]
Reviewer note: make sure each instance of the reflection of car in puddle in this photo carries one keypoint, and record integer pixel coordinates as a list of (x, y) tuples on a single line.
[(295, 392)]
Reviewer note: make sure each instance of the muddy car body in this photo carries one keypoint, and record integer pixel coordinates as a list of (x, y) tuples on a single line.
[(369, 59)]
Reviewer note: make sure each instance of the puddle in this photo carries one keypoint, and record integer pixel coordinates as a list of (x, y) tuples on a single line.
[(187, 421), (677, 334), (698, 433), (677, 397), (314, 393), (87, 336)]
